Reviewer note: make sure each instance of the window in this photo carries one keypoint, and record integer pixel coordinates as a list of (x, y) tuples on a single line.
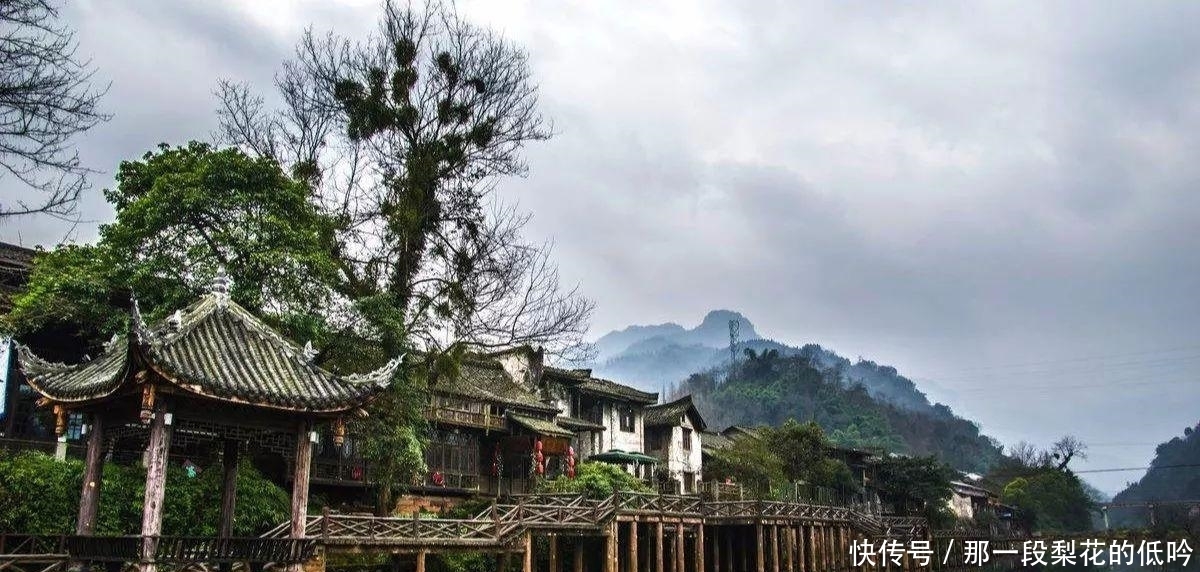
[(626, 414), (689, 481), (687, 439)]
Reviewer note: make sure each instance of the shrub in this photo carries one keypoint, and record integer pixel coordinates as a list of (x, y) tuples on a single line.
[(595, 480), (41, 496)]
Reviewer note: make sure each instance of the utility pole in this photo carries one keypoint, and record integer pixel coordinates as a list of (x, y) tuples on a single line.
[(735, 326)]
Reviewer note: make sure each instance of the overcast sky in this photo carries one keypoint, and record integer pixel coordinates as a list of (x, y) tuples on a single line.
[(999, 200)]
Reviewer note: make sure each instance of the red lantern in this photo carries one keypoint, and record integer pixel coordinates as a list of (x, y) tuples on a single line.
[(539, 457)]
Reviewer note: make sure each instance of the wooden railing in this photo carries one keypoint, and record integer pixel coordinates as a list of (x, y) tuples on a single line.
[(501, 523), (468, 418)]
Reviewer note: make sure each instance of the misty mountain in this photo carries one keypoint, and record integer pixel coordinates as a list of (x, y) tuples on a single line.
[(860, 403), (659, 356)]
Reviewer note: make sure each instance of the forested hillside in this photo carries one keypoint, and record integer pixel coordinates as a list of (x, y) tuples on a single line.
[(1174, 474), (770, 387)]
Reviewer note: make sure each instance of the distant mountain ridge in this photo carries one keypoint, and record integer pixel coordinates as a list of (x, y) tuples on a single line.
[(657, 356), (861, 403), (713, 332)]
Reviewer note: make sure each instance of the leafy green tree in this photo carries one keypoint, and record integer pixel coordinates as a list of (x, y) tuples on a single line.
[(916, 484), (804, 451), (751, 462), (183, 212), (1050, 500)]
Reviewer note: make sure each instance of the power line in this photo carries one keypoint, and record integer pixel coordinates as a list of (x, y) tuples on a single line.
[(1071, 360)]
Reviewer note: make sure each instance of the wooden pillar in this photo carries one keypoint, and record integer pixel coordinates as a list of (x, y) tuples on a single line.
[(715, 539), (774, 548), (745, 549), (729, 554), (157, 448), (229, 467), (789, 552), (93, 473), (301, 465), (611, 562), (553, 553), (527, 552), (810, 548), (632, 565), (760, 563), (577, 556), (658, 547), (680, 553), (421, 560), (700, 547)]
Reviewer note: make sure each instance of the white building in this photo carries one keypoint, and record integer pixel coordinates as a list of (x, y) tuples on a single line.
[(673, 435)]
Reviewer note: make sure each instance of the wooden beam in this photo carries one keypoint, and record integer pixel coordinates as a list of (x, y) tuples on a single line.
[(700, 547), (229, 467), (301, 465), (421, 560), (157, 449), (93, 473)]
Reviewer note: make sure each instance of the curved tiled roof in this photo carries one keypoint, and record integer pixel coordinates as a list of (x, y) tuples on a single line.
[(80, 382), (487, 381), (585, 382), (671, 413), (213, 348)]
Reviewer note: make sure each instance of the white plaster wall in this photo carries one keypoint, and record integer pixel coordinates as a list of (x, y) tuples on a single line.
[(615, 438), (516, 364), (679, 460)]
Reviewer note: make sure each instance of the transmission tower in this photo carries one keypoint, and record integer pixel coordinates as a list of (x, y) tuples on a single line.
[(734, 327)]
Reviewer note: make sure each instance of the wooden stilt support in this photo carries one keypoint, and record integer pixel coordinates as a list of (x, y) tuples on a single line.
[(93, 473), (700, 548), (774, 548), (156, 479), (760, 562), (611, 538), (577, 556), (789, 549), (658, 547), (527, 552), (680, 553), (421, 560), (632, 566), (553, 553), (715, 539)]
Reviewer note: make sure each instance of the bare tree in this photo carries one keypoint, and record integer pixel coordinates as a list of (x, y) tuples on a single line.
[(403, 138), (1067, 448), (46, 99)]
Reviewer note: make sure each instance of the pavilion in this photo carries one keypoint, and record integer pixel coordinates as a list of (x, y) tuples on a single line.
[(212, 378)]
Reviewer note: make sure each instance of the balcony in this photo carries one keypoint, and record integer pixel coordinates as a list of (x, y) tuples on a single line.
[(466, 418)]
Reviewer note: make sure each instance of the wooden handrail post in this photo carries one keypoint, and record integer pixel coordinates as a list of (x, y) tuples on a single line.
[(325, 522)]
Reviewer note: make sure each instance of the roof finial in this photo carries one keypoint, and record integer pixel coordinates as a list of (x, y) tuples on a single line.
[(222, 285), (309, 351)]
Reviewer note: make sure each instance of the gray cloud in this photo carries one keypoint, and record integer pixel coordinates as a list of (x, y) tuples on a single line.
[(941, 188)]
